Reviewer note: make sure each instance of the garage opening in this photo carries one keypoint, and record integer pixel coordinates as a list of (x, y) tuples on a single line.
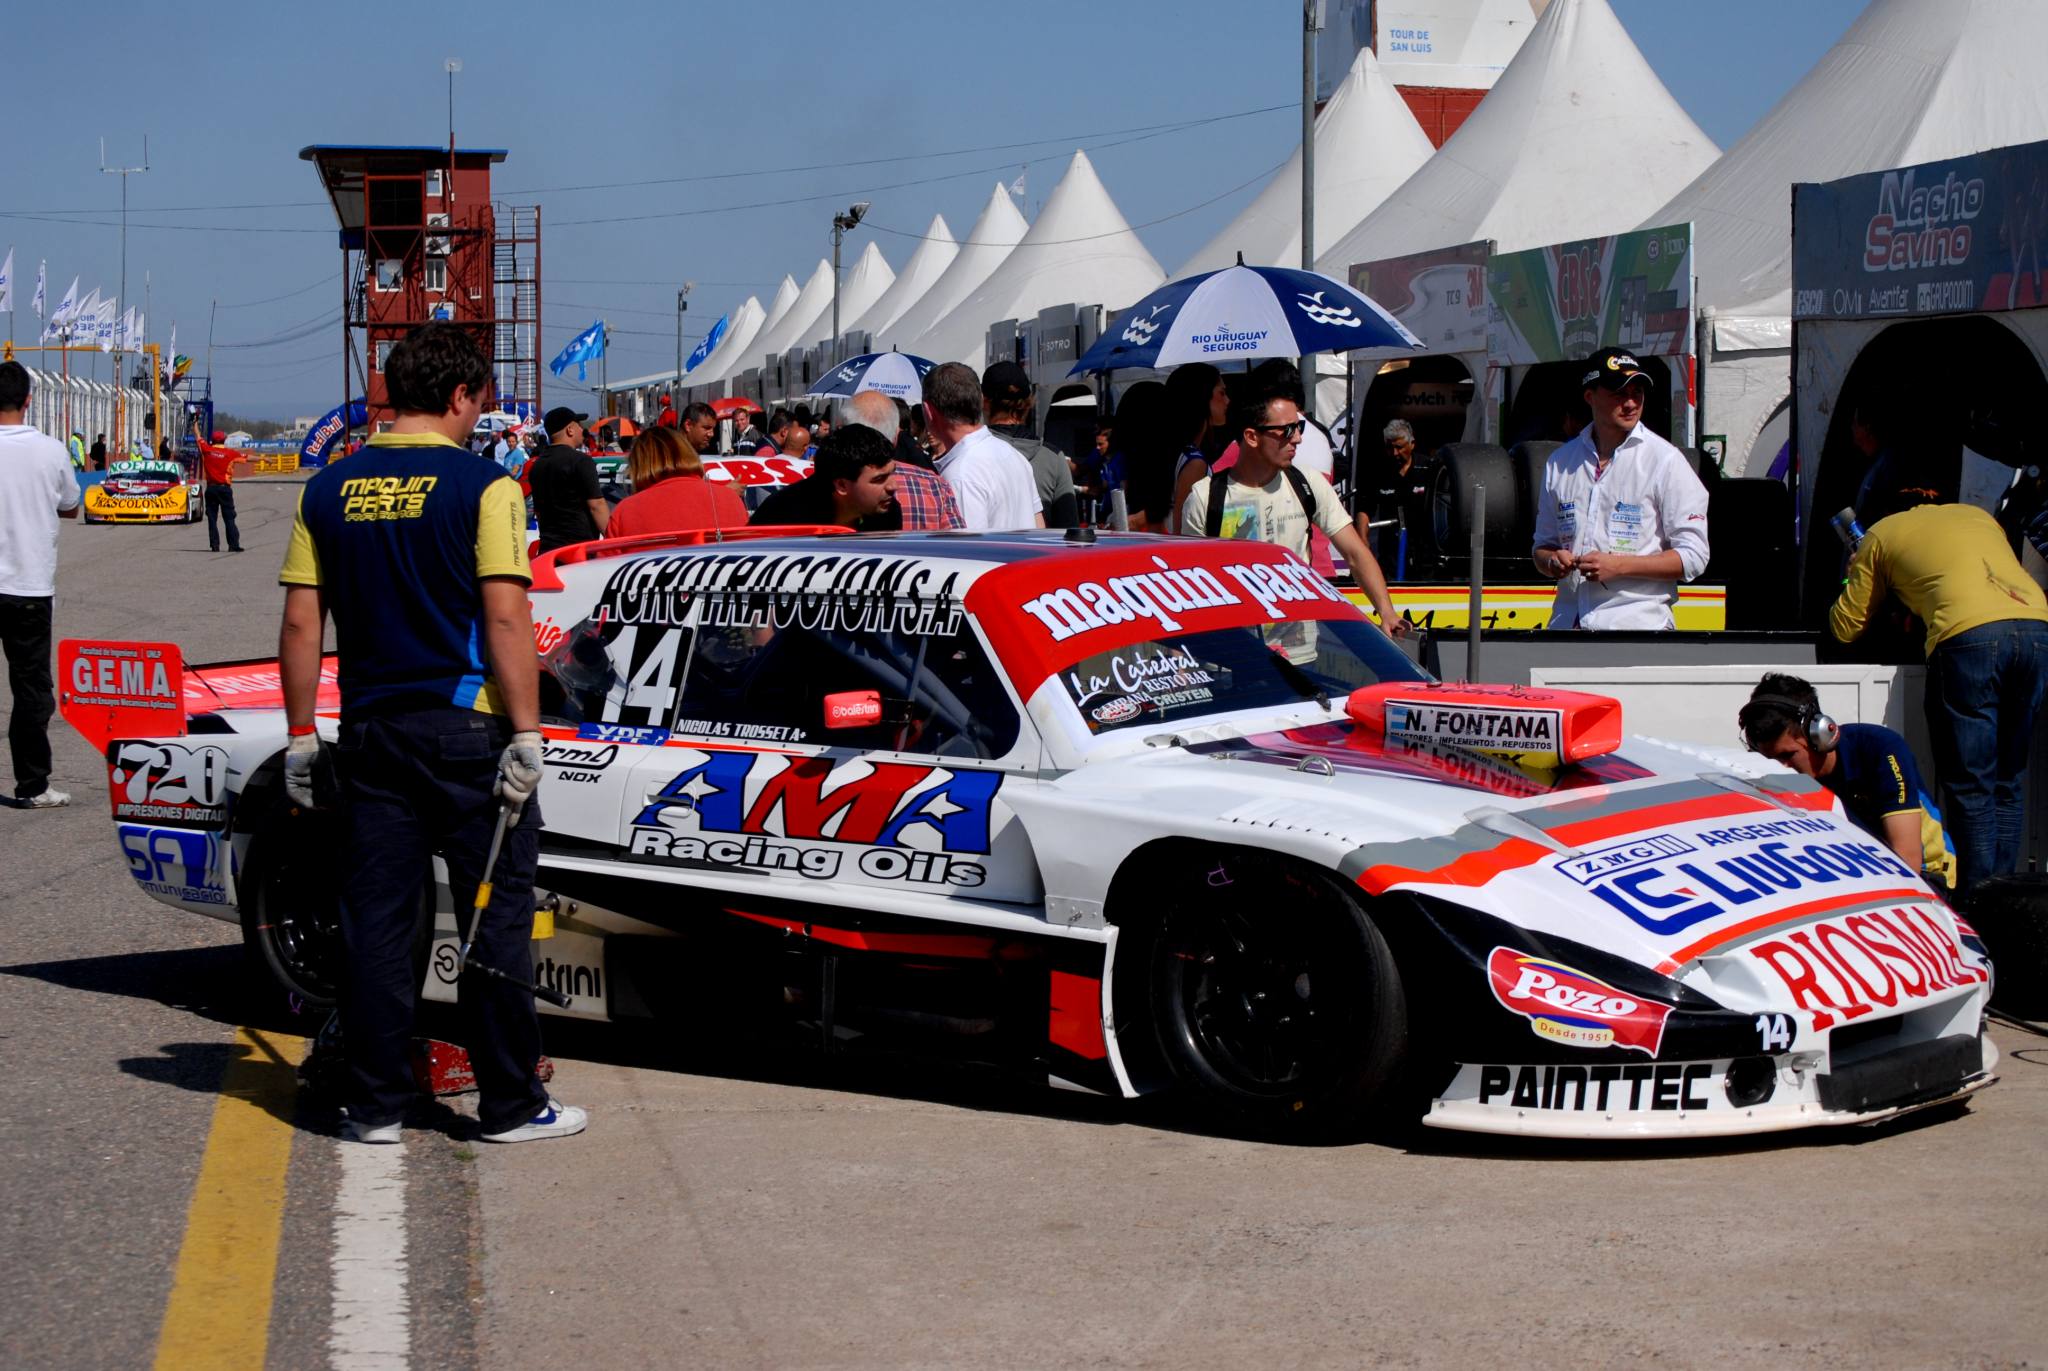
[(1988, 391), (1434, 394)]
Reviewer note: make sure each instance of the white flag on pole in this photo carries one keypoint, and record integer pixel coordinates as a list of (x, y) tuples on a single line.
[(105, 326), (41, 269), (67, 308), (141, 331), (7, 282)]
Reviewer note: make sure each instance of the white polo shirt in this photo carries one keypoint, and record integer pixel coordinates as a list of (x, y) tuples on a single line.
[(36, 481), (1647, 501), (994, 482)]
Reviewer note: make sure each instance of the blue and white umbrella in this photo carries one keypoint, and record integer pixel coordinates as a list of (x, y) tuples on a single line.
[(1240, 313), (897, 375)]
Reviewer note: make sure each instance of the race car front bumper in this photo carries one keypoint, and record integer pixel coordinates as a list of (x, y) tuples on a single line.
[(1704, 1099)]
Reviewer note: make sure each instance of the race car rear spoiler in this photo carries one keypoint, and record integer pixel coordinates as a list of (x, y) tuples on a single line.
[(546, 579), (1541, 728), (108, 690)]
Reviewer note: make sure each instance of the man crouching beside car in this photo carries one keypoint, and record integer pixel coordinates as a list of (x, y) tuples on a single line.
[(418, 548)]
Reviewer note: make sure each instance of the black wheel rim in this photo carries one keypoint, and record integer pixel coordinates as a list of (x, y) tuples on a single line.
[(1256, 1000), (302, 925)]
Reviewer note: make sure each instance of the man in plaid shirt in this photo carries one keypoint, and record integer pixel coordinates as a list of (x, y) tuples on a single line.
[(923, 496)]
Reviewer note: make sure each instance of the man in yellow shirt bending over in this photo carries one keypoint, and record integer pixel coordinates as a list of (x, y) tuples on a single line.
[(1987, 660)]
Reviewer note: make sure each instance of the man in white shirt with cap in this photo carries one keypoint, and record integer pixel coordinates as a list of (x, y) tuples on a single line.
[(1622, 519)]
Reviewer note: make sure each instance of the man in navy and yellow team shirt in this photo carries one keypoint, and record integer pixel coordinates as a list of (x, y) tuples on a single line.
[(418, 549), (1868, 767)]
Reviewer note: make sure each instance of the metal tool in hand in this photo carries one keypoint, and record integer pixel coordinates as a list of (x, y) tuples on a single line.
[(476, 917)]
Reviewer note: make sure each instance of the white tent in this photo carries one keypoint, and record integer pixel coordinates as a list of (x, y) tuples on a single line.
[(859, 288), (1910, 81), (996, 230), (735, 354), (934, 254), (739, 333), (1079, 250), (1367, 143), (1577, 138), (797, 325)]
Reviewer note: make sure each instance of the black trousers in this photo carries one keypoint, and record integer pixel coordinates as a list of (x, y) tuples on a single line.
[(25, 636), (413, 785), (220, 504)]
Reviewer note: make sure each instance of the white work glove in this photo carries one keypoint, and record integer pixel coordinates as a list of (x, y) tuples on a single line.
[(519, 769), (298, 769)]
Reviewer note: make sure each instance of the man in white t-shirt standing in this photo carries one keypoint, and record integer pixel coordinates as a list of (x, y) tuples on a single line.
[(1266, 498), (37, 488), (993, 481), (1622, 519)]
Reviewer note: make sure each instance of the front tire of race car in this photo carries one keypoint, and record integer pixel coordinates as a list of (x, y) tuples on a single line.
[(1277, 1001)]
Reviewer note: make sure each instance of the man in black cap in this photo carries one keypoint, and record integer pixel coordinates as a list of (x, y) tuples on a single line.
[(567, 503), (1006, 394), (1622, 519)]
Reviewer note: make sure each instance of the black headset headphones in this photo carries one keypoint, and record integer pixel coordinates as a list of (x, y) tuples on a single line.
[(1819, 730)]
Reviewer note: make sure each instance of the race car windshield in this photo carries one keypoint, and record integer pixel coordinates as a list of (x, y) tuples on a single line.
[(1192, 674)]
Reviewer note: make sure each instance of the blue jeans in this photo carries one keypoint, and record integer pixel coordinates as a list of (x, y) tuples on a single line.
[(1989, 683)]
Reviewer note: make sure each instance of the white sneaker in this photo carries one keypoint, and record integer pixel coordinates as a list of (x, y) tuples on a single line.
[(557, 1120), (49, 799), (353, 1130)]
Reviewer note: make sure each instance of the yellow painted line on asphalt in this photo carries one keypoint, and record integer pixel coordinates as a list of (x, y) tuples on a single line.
[(219, 1312)]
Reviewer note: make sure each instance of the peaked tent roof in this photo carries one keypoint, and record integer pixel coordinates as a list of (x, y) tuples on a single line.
[(746, 322), (925, 266), (1534, 164), (1909, 82), (1367, 143), (1080, 249), (997, 229), (862, 285), (731, 355), (815, 299)]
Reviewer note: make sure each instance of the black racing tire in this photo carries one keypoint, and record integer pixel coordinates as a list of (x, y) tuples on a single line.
[(1276, 1001), (1459, 467), (2011, 914), (291, 908), (1530, 460)]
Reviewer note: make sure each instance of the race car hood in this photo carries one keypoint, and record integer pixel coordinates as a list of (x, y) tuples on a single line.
[(1756, 890)]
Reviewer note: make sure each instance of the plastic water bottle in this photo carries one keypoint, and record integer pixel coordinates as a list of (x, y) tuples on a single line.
[(1848, 529)]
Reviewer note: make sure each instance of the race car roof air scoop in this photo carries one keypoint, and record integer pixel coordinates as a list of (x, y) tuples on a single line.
[(1742, 786), (1534, 727), (1515, 826)]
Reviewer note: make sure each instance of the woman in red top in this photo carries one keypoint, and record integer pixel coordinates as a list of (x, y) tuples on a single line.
[(670, 491)]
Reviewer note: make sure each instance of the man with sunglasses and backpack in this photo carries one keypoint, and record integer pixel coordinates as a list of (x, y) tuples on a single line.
[(1264, 497)]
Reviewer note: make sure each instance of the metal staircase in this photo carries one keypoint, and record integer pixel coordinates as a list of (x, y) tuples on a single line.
[(515, 275)]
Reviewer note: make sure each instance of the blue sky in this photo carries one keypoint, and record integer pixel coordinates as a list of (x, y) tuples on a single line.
[(644, 92)]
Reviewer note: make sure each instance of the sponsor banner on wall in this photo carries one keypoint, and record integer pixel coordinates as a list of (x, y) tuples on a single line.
[(1439, 296), (1559, 303), (1958, 236)]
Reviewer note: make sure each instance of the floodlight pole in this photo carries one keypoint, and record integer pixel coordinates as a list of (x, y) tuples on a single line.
[(840, 224), (1311, 21), (120, 396)]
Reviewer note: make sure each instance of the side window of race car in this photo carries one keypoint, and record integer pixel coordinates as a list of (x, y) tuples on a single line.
[(940, 693), (612, 673)]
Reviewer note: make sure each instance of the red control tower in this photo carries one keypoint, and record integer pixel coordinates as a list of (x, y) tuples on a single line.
[(422, 240)]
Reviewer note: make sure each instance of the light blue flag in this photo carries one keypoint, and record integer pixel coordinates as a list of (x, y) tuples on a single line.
[(586, 346), (711, 341)]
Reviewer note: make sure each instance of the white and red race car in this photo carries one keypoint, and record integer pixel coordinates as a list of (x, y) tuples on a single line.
[(1131, 813)]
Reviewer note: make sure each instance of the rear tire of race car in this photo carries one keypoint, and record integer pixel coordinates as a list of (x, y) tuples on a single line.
[(1277, 1001), (291, 910)]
